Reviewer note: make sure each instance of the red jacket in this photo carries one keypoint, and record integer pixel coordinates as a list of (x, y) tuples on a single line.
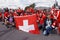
[(41, 20), (58, 18), (6, 14), (31, 10), (51, 16), (15, 14)]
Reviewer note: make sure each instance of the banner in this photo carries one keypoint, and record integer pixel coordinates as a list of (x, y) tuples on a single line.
[(27, 23)]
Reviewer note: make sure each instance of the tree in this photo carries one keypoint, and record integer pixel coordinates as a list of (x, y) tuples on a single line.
[(32, 5)]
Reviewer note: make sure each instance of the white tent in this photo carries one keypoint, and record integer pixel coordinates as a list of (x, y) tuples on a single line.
[(23, 3)]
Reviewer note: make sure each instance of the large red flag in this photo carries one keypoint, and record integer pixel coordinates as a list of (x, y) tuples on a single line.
[(27, 23)]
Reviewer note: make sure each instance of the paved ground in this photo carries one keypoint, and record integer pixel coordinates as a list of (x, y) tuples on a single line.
[(13, 34)]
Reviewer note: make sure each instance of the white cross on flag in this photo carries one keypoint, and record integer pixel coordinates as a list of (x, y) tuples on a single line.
[(27, 23)]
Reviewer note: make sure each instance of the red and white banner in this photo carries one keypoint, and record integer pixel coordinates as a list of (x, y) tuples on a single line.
[(27, 23)]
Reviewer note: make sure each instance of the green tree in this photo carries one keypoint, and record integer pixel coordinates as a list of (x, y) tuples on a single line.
[(32, 5)]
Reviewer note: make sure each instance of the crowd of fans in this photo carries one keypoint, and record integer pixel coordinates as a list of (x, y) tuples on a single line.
[(47, 20)]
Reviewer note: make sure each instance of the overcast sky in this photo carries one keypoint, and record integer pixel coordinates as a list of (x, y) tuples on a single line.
[(24, 3)]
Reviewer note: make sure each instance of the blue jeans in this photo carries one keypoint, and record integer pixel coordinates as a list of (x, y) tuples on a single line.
[(48, 29)]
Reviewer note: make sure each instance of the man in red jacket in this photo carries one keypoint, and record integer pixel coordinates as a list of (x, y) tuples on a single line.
[(6, 14), (15, 13), (19, 11), (41, 19), (58, 21)]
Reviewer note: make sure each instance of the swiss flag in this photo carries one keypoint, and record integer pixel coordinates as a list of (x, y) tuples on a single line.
[(27, 23)]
